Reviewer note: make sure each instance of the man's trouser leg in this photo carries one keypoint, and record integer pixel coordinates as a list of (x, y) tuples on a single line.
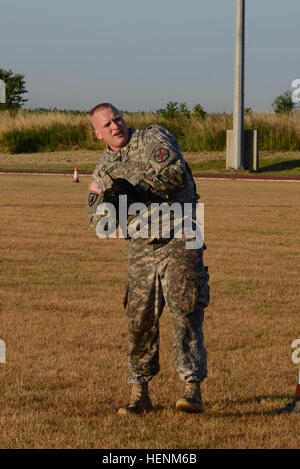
[(178, 275), (144, 307), (186, 292)]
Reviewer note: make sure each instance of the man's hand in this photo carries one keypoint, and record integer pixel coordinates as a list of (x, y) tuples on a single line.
[(121, 186)]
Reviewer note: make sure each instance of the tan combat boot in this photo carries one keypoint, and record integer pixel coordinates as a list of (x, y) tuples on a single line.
[(139, 401), (292, 407), (191, 401)]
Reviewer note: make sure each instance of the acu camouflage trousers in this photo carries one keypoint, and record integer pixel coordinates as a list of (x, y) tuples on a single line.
[(173, 275)]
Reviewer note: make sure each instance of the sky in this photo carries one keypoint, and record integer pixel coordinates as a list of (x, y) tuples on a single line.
[(140, 54)]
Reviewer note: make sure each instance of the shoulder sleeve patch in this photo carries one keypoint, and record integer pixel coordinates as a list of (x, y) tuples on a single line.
[(161, 155), (95, 190), (92, 199)]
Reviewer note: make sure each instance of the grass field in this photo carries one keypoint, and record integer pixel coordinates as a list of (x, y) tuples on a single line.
[(65, 329), (270, 163)]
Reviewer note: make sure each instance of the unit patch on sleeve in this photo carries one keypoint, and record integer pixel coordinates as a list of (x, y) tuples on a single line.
[(161, 155), (92, 199)]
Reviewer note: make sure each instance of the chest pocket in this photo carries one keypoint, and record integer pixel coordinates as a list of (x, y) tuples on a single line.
[(131, 170)]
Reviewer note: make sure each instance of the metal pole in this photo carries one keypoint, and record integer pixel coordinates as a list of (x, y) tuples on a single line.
[(238, 108)]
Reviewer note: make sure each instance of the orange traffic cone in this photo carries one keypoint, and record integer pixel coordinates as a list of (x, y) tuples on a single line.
[(294, 406), (75, 177), (297, 395)]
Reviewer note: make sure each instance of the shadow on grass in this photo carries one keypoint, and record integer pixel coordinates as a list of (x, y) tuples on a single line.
[(271, 412), (282, 166), (257, 400)]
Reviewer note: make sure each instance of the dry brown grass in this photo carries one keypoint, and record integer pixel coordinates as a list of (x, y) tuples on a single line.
[(65, 329), (52, 160), (26, 120)]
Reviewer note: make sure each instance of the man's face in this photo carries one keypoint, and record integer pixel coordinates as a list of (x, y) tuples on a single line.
[(110, 127)]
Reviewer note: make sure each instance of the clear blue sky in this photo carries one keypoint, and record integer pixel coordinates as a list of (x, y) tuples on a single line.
[(140, 54)]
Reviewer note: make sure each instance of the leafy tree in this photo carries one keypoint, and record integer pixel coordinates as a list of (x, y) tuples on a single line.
[(198, 111), (172, 109), (248, 111), (160, 112), (183, 110), (15, 88), (283, 104)]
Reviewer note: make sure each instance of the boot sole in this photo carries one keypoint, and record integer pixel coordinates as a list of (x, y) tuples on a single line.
[(187, 406), (126, 412)]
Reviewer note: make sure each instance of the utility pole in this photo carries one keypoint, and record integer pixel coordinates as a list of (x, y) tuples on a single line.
[(238, 159), (242, 146)]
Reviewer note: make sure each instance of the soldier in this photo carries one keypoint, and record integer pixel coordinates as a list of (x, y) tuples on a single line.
[(147, 165)]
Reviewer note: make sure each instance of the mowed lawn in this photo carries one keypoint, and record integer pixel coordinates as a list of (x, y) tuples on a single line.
[(65, 329)]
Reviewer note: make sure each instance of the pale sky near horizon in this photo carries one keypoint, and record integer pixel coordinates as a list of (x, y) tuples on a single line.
[(141, 54)]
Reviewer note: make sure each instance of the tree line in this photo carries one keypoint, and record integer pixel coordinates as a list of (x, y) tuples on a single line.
[(15, 91)]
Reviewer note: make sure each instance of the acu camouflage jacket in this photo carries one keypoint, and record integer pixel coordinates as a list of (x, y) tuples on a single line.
[(151, 160)]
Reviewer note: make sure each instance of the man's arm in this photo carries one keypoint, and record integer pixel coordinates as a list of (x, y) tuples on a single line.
[(165, 171), (95, 197)]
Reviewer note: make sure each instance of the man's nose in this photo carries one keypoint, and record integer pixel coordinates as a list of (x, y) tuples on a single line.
[(115, 125)]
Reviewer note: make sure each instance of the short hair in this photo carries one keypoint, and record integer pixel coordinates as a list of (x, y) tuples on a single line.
[(99, 107)]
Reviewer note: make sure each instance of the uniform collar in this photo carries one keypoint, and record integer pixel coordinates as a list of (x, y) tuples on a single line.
[(132, 143)]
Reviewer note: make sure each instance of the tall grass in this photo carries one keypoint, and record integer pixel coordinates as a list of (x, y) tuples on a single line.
[(31, 131)]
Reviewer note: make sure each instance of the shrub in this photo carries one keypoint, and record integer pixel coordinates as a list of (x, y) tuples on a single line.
[(54, 137), (28, 131), (283, 104)]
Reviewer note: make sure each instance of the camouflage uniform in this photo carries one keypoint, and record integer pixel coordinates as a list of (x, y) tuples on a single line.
[(160, 271)]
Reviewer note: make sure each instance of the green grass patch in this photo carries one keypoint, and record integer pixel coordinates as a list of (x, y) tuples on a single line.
[(211, 166), (279, 165), (270, 166), (55, 137)]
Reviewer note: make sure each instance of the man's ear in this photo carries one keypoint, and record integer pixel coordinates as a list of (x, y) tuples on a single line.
[(98, 134)]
